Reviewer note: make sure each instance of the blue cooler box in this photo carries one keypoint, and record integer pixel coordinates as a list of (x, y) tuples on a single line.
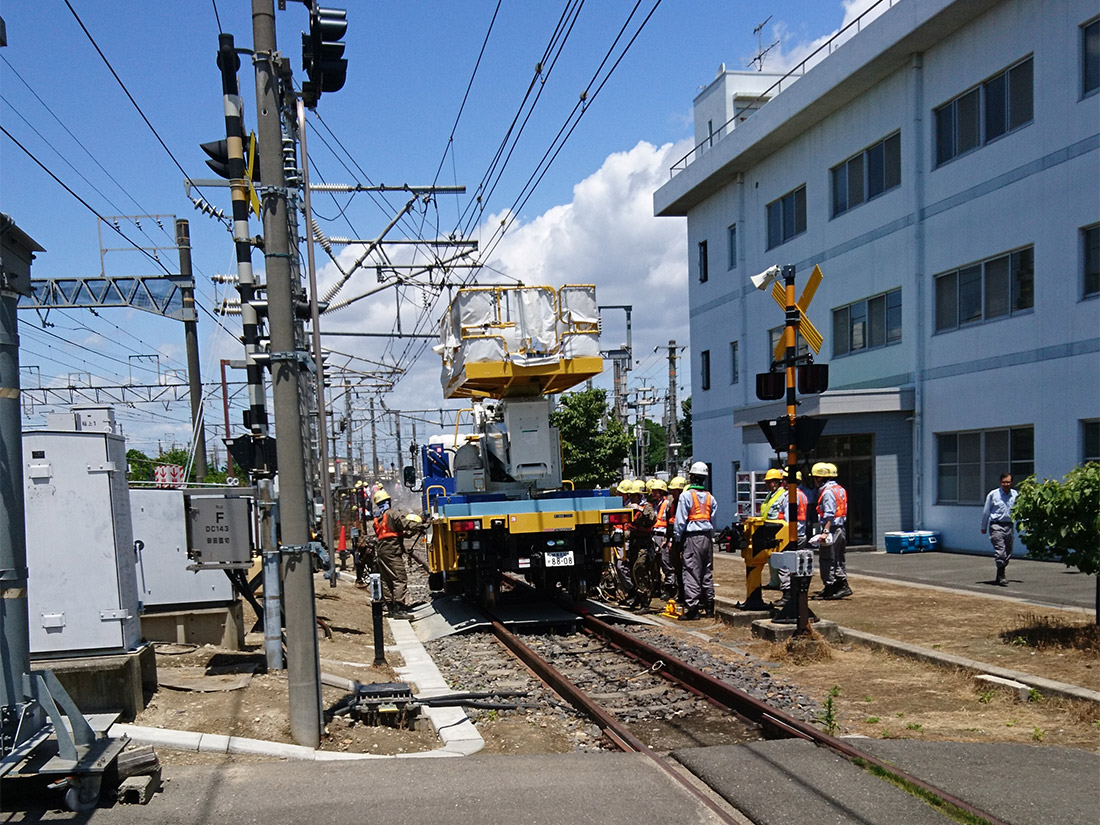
[(902, 543), (928, 539)]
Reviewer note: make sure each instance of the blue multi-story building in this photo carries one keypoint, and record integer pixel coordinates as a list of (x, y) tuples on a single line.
[(942, 167)]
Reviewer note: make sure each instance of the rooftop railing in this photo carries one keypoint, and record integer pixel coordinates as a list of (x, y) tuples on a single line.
[(743, 112)]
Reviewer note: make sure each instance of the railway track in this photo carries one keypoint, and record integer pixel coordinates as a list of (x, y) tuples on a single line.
[(626, 686)]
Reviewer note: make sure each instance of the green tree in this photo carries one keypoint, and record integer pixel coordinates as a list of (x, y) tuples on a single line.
[(141, 466), (685, 430), (1060, 520), (593, 444)]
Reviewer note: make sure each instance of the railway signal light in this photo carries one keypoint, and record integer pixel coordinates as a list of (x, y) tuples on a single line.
[(323, 53), (218, 151)]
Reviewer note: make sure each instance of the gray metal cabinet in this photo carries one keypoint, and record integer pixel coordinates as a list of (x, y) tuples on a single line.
[(82, 590)]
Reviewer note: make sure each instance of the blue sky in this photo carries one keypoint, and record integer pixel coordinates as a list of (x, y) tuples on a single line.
[(588, 220)]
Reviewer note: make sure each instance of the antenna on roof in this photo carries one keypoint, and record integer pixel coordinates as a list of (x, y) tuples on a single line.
[(758, 61)]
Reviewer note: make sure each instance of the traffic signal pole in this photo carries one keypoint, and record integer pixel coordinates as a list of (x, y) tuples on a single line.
[(229, 63), (800, 587), (303, 666)]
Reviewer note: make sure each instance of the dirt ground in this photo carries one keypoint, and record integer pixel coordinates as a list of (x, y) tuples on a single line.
[(876, 694)]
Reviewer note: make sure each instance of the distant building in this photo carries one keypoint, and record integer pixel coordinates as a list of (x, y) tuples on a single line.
[(942, 167)]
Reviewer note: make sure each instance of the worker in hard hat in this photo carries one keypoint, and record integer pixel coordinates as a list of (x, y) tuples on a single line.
[(780, 512), (671, 558), (647, 565), (389, 555), (624, 583), (694, 530), (832, 513), (639, 544)]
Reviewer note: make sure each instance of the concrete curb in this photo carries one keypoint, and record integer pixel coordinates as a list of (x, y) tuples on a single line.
[(1048, 687)]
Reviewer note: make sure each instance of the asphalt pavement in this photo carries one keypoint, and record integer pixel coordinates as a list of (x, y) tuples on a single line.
[(1036, 582)]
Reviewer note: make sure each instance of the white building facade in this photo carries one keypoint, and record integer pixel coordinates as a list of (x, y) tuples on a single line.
[(942, 167)]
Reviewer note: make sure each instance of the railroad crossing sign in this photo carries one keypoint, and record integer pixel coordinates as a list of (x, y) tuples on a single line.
[(806, 327)]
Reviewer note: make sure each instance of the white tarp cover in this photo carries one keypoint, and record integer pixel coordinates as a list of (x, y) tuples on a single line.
[(578, 305), (580, 345), (528, 330), (473, 308)]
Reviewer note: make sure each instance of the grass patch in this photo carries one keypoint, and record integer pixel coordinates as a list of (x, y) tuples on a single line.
[(953, 812), (1052, 633)]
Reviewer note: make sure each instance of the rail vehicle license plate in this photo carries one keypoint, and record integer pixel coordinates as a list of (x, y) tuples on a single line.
[(559, 558)]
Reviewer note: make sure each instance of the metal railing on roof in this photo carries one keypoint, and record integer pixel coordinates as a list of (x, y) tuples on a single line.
[(742, 113)]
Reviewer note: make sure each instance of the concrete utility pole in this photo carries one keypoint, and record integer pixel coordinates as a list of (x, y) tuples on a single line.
[(303, 666), (672, 442), (397, 435), (373, 441), (347, 431), (191, 340), (318, 355)]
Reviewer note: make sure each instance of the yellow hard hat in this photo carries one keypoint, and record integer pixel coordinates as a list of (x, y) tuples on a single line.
[(832, 468), (414, 518), (657, 485), (773, 475), (637, 487), (381, 496), (823, 470), (678, 483), (798, 475), (624, 487)]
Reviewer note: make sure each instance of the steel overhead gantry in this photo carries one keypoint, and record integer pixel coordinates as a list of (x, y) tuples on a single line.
[(171, 295)]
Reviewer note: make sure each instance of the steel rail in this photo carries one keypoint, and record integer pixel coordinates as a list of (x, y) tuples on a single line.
[(751, 708), (612, 728)]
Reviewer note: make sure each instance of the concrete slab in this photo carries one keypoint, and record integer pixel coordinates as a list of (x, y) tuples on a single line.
[(581, 789), (781, 782), (218, 626), (1020, 784), (119, 682), (772, 632)]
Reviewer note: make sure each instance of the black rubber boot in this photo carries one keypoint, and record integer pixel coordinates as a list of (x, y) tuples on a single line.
[(840, 591), (708, 610), (690, 615), (827, 592), (399, 611), (1001, 580)]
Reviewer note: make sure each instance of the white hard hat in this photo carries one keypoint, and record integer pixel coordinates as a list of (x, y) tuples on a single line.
[(698, 469)]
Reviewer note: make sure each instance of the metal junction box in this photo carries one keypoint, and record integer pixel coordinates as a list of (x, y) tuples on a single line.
[(218, 530), (160, 535), (82, 590)]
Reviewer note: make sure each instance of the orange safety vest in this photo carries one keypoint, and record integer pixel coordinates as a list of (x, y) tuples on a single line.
[(700, 510), (636, 529), (383, 527), (840, 496), (662, 516)]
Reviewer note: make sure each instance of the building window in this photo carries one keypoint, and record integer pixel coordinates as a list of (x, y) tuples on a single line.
[(776, 333), (1000, 104), (1090, 235), (993, 288), (867, 175), (735, 363), (703, 268), (873, 322), (704, 369), (732, 247), (970, 464), (786, 217), (1090, 441), (1090, 57)]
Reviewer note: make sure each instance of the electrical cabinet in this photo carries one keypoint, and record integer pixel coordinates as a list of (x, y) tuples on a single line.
[(161, 536), (82, 588)]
